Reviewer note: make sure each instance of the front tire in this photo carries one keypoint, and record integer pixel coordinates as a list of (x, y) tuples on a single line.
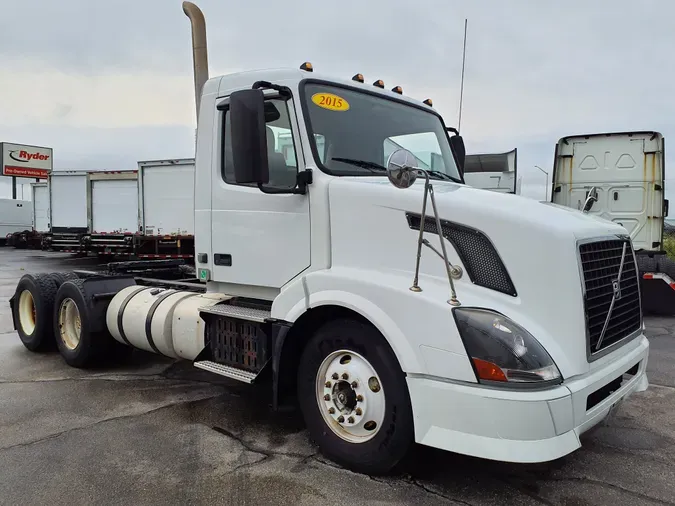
[(354, 397)]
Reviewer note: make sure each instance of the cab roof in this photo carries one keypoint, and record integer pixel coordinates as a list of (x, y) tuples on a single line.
[(226, 84)]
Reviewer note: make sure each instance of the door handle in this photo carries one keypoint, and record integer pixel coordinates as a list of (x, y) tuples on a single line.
[(223, 259)]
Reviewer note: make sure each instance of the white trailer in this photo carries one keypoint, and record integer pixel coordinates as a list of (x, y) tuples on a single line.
[(113, 211), (166, 206), (40, 200), (15, 216), (69, 210)]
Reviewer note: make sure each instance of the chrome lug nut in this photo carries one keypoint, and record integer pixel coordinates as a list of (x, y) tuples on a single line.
[(350, 419), (358, 412), (328, 384), (341, 419), (355, 384), (345, 376), (335, 376), (331, 411), (326, 397), (359, 398)]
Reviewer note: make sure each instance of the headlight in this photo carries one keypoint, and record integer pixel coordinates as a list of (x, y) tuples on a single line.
[(502, 351)]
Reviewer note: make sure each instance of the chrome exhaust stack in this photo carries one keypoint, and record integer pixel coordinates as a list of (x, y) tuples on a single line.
[(200, 60)]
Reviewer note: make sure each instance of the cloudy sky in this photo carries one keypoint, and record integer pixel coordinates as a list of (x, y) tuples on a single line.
[(108, 83)]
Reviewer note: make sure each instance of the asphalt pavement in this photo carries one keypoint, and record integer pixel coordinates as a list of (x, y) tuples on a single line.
[(154, 431)]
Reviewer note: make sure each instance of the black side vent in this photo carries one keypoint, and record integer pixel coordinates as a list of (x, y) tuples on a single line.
[(479, 256)]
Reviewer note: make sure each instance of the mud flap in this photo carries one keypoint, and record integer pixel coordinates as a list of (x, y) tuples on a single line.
[(658, 293)]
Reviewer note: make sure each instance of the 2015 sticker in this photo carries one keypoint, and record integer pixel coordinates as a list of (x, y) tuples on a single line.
[(330, 101)]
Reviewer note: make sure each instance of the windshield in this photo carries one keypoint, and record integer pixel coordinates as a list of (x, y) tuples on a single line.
[(354, 132)]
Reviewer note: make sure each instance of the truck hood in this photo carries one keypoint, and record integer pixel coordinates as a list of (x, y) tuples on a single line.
[(537, 243)]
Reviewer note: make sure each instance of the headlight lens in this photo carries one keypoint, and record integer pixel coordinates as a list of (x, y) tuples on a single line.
[(503, 352)]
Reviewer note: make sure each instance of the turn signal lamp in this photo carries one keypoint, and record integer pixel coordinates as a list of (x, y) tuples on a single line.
[(358, 77), (397, 89), (379, 83), (307, 66)]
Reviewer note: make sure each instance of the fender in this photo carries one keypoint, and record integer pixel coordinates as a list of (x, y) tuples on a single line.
[(406, 355)]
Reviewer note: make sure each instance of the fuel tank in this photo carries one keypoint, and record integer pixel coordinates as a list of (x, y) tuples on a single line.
[(159, 320)]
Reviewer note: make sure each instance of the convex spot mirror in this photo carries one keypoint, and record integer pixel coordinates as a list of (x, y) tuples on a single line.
[(402, 168)]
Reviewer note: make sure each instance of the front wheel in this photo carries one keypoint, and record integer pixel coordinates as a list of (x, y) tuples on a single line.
[(354, 397)]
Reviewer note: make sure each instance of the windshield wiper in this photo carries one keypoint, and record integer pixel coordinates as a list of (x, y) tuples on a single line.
[(364, 164), (440, 175)]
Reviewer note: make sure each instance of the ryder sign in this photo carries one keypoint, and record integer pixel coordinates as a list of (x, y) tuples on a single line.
[(20, 160)]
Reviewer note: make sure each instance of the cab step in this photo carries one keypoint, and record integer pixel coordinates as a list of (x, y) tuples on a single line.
[(238, 312), (227, 371)]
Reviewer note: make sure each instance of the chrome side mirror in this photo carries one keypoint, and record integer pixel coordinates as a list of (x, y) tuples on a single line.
[(402, 172), (590, 199), (401, 168)]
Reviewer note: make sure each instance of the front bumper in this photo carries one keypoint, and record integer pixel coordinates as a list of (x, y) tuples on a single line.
[(522, 426)]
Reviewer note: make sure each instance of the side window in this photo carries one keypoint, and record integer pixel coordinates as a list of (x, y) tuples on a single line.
[(423, 145), (283, 163)]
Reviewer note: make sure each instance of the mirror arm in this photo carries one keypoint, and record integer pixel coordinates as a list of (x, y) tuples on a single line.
[(284, 91), (304, 179)]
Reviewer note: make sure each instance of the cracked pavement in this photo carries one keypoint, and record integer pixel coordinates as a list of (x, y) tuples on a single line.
[(155, 431)]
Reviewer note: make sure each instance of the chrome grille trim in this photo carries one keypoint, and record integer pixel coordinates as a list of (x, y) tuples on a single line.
[(612, 306)]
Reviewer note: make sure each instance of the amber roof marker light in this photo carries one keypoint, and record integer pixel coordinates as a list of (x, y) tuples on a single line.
[(379, 83), (307, 67), (358, 78)]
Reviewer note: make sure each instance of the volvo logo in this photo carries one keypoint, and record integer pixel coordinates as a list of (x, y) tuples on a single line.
[(616, 288)]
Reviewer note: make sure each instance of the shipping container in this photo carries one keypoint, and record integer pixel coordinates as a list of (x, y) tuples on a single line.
[(166, 208)]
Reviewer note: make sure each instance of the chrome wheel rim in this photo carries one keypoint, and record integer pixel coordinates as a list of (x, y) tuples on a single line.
[(350, 396)]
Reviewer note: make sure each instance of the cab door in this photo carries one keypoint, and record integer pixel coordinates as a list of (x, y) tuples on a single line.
[(260, 239)]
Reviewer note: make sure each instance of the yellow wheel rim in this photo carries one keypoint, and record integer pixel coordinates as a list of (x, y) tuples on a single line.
[(27, 312), (70, 325)]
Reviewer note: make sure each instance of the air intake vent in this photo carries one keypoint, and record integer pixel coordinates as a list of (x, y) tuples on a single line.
[(600, 264), (481, 260)]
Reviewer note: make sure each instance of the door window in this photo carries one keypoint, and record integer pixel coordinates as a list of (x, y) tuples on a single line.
[(283, 163)]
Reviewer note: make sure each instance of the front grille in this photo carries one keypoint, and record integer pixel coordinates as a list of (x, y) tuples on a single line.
[(600, 262)]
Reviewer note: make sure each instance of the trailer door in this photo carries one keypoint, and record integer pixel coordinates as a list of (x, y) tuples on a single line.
[(627, 171), (69, 201), (114, 205), (41, 208)]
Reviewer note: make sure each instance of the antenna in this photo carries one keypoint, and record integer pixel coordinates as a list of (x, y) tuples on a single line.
[(461, 88)]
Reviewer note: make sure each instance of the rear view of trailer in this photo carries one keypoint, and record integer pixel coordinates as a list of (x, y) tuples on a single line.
[(113, 210), (166, 209), (68, 210)]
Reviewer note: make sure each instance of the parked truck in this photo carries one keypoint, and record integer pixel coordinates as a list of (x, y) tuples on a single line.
[(391, 304), (15, 220), (492, 171), (624, 172)]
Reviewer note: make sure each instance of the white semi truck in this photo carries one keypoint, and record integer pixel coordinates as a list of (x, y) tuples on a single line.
[(323, 274), (625, 172)]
